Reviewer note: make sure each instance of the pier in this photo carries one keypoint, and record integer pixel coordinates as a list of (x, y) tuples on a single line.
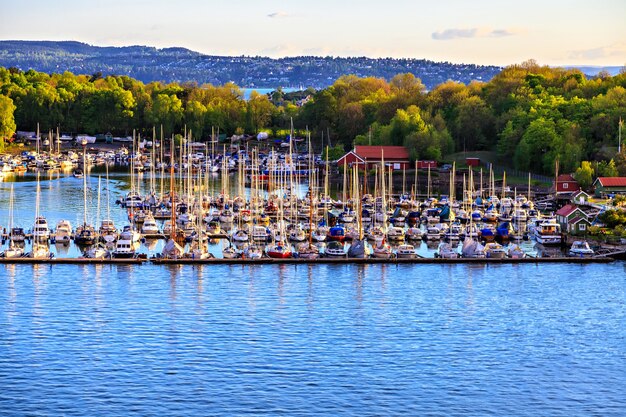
[(296, 261)]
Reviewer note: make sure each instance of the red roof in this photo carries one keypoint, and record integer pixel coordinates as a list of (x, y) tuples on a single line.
[(378, 152), (566, 210), (612, 181), (565, 177)]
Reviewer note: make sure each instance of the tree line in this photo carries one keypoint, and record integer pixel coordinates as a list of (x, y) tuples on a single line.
[(531, 115)]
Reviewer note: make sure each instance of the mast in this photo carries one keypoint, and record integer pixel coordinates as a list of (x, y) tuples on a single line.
[(428, 188), (11, 214), (84, 183), (172, 204)]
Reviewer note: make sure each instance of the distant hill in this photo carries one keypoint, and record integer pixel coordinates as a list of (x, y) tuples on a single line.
[(592, 71), (181, 65)]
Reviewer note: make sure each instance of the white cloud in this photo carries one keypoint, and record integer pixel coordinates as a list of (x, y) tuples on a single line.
[(499, 33), (601, 52), (456, 33), (278, 15)]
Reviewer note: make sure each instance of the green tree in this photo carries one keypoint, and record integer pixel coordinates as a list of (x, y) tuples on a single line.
[(584, 174), (166, 110), (7, 120)]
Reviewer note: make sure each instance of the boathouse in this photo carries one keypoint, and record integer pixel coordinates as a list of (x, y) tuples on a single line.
[(572, 219), (605, 186), (396, 157), (565, 183)]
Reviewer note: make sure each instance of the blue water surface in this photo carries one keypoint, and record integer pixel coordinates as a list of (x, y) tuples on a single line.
[(335, 340)]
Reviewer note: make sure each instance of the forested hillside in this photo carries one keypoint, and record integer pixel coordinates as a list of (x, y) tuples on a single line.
[(531, 115)]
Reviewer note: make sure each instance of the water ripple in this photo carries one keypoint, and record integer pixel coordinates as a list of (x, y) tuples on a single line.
[(334, 340)]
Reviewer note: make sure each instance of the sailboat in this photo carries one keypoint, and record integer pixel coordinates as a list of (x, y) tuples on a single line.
[(310, 251), (85, 233), (14, 250), (173, 248), (107, 230), (358, 247), (382, 249), (41, 233)]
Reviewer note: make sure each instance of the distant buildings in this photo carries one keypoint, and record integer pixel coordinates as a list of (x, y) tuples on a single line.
[(396, 157), (609, 185)]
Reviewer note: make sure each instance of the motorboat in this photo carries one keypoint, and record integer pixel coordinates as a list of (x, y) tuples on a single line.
[(406, 251), (149, 226), (581, 249), (433, 232), (446, 251), (107, 231), (63, 232), (414, 233), (41, 233), (279, 250), (241, 235), (548, 233), (494, 250), (382, 251), (125, 247), (337, 233), (395, 233), (335, 249), (132, 200)]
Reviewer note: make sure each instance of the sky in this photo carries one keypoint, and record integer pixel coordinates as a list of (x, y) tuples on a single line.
[(487, 32)]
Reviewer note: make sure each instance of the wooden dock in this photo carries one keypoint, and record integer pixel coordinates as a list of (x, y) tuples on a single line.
[(78, 261), (303, 261)]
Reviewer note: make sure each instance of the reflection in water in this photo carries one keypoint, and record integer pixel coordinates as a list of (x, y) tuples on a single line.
[(310, 293), (174, 271), (376, 340), (281, 283), (10, 270)]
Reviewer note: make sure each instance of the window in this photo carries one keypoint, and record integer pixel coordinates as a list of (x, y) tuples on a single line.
[(582, 227), (565, 185)]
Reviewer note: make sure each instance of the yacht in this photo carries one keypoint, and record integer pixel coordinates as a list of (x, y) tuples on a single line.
[(125, 247), (85, 235), (548, 233), (406, 251), (107, 231), (41, 233), (63, 232), (149, 226)]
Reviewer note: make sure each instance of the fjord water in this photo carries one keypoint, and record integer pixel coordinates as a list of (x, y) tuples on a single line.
[(113, 340)]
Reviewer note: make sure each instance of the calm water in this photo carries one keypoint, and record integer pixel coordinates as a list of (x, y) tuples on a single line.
[(332, 340)]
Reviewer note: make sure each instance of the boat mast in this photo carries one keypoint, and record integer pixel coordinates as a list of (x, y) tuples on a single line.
[(84, 142)]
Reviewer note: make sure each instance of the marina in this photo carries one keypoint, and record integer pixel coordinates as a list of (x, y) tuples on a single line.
[(256, 207)]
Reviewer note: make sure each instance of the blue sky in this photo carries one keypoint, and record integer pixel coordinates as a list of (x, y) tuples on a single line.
[(553, 32)]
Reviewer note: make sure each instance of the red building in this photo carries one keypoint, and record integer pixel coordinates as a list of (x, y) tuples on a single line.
[(426, 164), (565, 183), (472, 162), (396, 157)]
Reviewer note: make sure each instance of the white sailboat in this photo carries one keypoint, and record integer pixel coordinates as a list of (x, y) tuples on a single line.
[(14, 250)]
